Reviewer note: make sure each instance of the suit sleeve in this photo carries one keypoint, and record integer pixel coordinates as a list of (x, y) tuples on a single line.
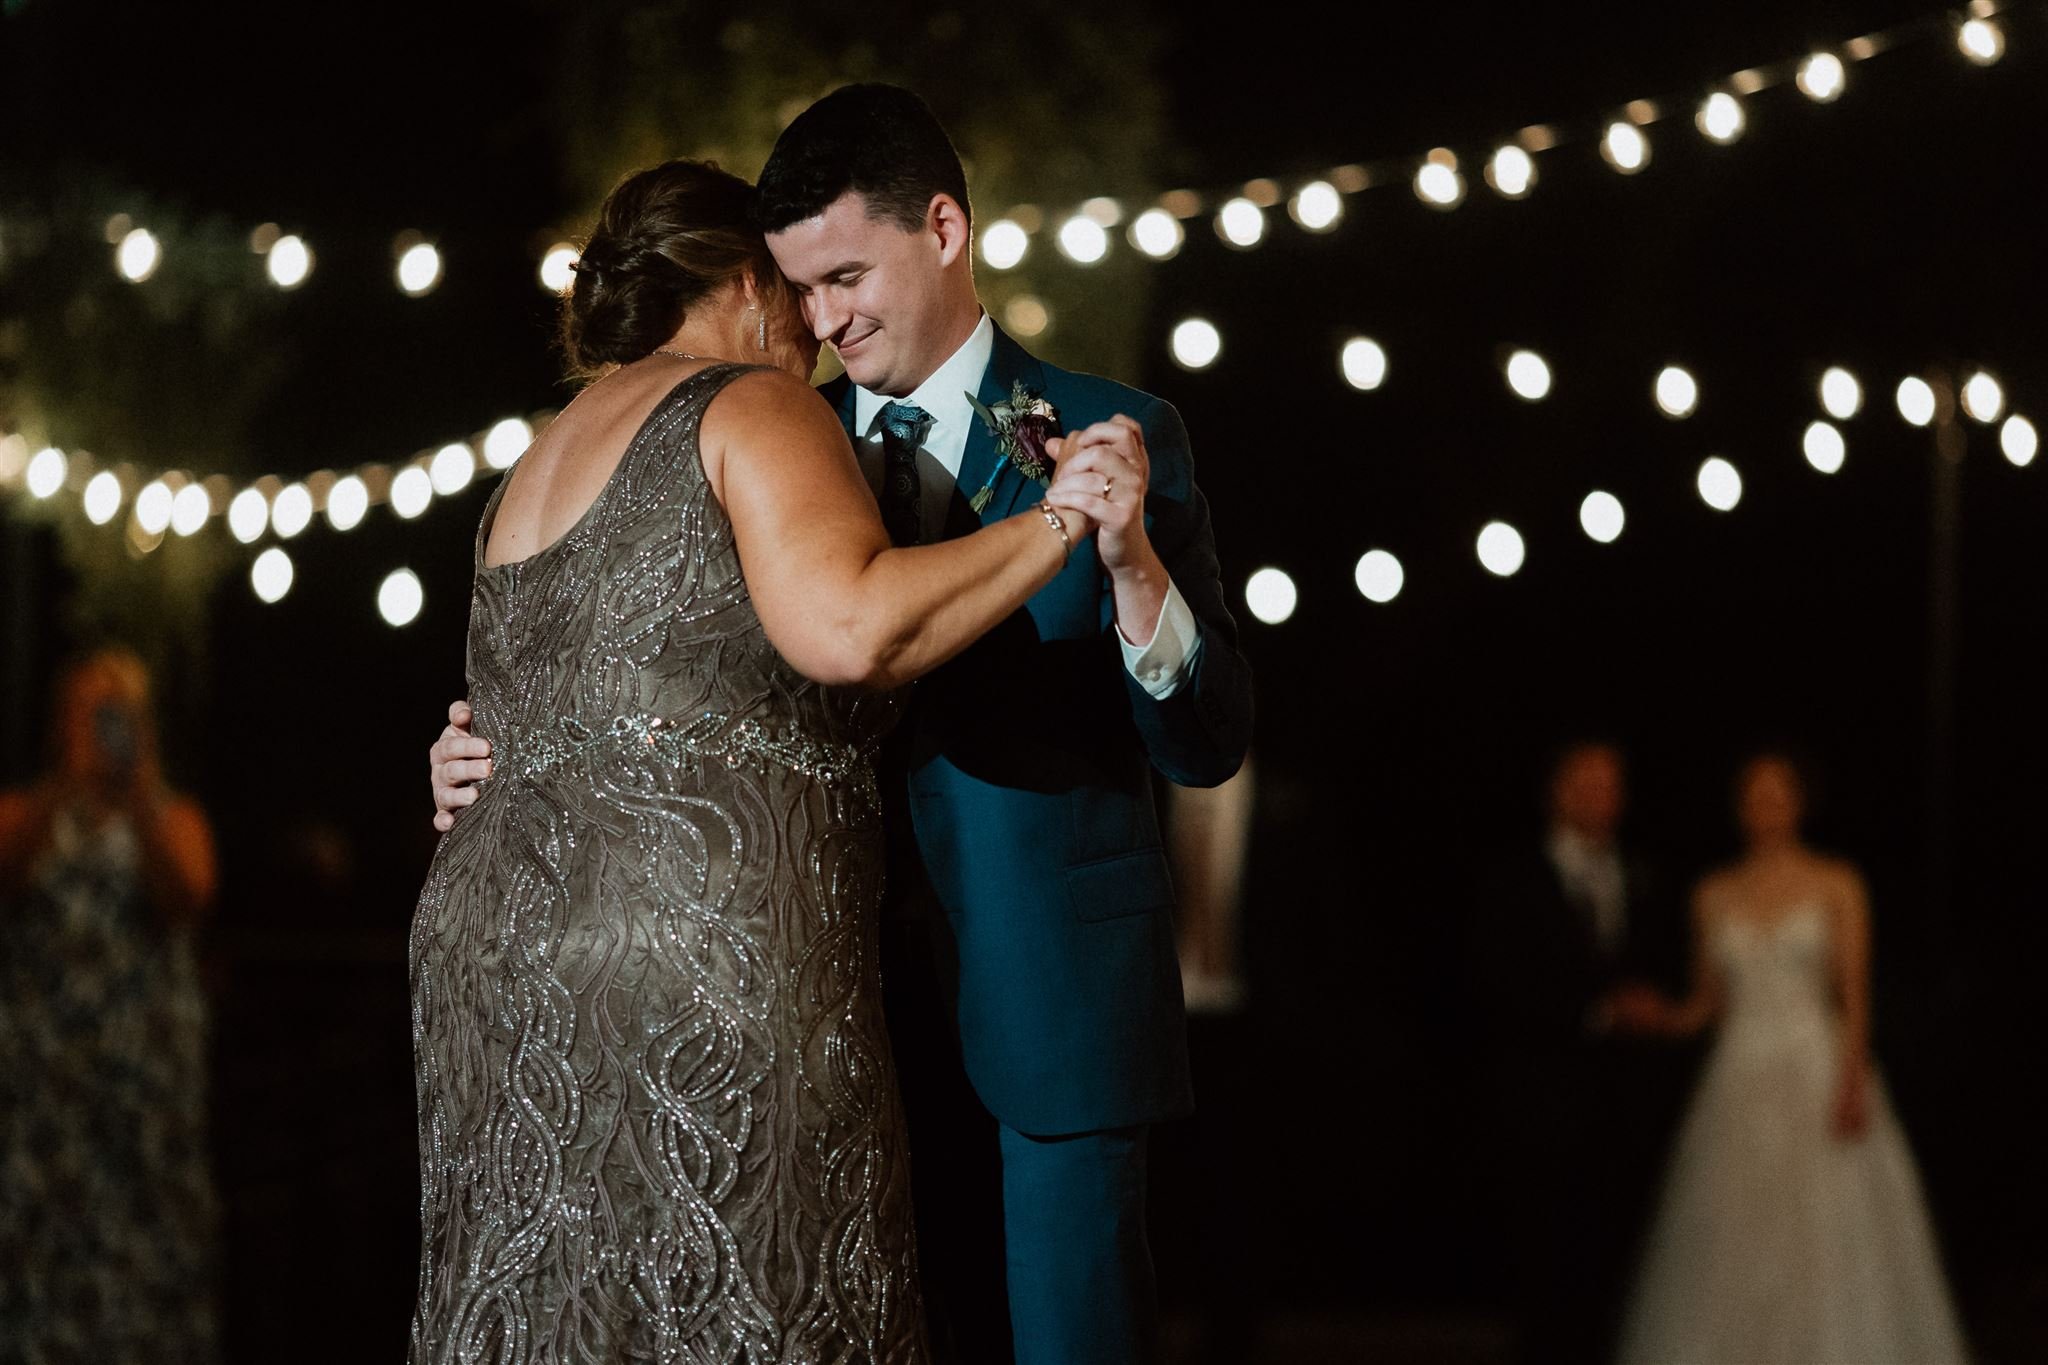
[(1198, 735)]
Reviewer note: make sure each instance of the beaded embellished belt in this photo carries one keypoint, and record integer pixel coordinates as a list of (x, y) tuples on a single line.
[(710, 737)]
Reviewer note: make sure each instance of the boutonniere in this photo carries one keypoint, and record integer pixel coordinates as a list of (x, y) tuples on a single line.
[(1021, 424)]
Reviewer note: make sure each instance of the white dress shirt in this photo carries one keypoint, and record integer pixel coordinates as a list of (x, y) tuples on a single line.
[(1160, 667)]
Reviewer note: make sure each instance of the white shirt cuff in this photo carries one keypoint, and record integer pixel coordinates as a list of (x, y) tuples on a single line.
[(1162, 666)]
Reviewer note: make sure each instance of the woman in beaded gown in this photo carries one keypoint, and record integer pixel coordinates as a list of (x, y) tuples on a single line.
[(1793, 1231), (658, 1115)]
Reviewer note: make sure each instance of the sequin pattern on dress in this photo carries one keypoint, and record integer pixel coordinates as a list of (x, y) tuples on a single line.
[(658, 1116)]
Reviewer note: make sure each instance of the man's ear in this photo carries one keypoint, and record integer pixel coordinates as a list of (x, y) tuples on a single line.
[(946, 220)]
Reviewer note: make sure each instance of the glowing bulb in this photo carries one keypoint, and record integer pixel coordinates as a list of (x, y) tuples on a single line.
[(1500, 549), (1677, 392), (1379, 576), (1528, 375), (1821, 77), (1271, 595), (292, 512), (1082, 240), (1721, 118), (1317, 206), (1720, 485), (1625, 147), (1026, 315), (419, 269), (1916, 401), (1511, 172), (2018, 439), (1003, 244), (248, 515), (102, 497), (1364, 364), (1157, 233), (1196, 344), (558, 268), (46, 472), (1825, 449), (1601, 517), (347, 502), (153, 507), (1439, 185), (505, 442), (1982, 41), (138, 256), (189, 509), (411, 491), (1840, 395), (271, 574), (1982, 398), (289, 262), (452, 468), (400, 597), (1241, 223)]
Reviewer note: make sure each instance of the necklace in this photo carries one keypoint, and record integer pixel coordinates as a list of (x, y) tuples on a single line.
[(679, 355)]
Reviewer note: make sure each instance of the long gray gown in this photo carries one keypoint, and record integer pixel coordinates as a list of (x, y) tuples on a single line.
[(658, 1115)]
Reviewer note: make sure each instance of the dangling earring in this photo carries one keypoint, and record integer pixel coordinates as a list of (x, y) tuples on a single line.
[(761, 332)]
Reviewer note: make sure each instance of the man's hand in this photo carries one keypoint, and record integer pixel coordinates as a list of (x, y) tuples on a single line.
[(457, 760), (1104, 474)]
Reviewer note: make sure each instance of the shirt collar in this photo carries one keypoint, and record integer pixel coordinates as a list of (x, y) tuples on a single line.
[(944, 393)]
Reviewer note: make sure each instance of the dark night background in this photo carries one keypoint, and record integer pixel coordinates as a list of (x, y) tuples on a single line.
[(1893, 231)]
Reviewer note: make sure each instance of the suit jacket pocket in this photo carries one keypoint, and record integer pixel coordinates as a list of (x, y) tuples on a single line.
[(1127, 884)]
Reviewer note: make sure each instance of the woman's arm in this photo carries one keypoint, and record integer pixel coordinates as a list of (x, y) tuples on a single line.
[(179, 871), (838, 602), (1702, 1005), (1851, 968)]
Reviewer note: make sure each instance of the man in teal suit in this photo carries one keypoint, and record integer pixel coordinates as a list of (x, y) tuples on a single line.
[(1031, 979)]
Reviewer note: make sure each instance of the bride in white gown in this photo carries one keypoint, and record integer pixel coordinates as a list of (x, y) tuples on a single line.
[(1792, 1229)]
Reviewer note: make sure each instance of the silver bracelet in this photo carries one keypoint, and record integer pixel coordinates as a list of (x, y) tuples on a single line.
[(1052, 519)]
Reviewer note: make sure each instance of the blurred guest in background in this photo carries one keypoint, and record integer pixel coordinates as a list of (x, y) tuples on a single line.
[(106, 1202), (1576, 1114), (1792, 1227)]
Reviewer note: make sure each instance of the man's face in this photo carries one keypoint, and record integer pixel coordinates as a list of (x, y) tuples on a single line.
[(871, 289), (1588, 794)]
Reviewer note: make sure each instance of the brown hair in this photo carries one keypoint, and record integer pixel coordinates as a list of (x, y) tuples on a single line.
[(666, 238)]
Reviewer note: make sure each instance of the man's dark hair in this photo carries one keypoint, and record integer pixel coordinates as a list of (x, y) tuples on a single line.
[(880, 141)]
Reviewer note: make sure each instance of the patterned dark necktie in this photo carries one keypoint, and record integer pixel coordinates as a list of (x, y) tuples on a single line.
[(903, 428)]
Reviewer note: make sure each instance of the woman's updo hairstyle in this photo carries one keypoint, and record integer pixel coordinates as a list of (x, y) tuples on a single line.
[(666, 238)]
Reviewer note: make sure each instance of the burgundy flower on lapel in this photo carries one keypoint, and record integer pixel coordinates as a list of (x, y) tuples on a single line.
[(1021, 424)]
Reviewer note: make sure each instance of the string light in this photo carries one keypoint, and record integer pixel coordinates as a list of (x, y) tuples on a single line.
[(1082, 240), (506, 441), (153, 507), (1916, 401), (1721, 118), (47, 470), (2018, 439), (102, 498), (400, 597), (190, 507), (1379, 576), (1528, 375), (1840, 395), (347, 502), (138, 255), (419, 269), (1511, 171), (1027, 315), (1982, 41), (1821, 77), (1983, 399), (452, 468), (558, 268), (1196, 344), (1719, 484), (1501, 551), (1004, 244), (1271, 596), (248, 515), (1677, 392), (1157, 234), (1364, 364), (1438, 183), (1600, 516), (292, 511), (411, 491), (1317, 206), (1824, 447), (271, 575), (1241, 223), (1625, 147), (289, 261)]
